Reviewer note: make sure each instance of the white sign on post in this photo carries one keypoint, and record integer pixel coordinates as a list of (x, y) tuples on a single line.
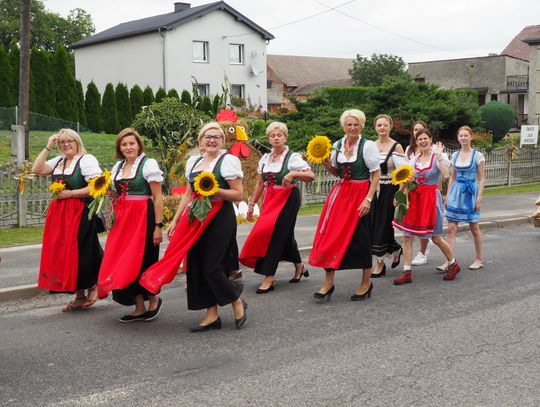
[(529, 135)]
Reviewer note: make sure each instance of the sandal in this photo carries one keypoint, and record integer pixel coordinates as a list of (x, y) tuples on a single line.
[(91, 298), (75, 304)]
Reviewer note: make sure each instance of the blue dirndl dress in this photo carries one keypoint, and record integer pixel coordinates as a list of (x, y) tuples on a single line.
[(461, 199)]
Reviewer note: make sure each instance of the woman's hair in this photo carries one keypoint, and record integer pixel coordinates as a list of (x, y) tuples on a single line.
[(75, 136), (357, 114), (282, 127), (129, 131), (384, 116), (208, 126), (412, 141), (467, 128), (425, 131)]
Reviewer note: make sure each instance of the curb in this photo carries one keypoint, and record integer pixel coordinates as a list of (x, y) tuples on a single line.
[(29, 291)]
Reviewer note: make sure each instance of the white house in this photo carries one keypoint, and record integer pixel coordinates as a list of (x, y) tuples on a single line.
[(201, 45)]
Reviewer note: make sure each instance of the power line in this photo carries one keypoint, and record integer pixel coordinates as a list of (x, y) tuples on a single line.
[(391, 32)]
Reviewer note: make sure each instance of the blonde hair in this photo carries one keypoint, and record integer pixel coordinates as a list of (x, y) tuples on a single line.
[(357, 114), (384, 116), (282, 127), (209, 126), (465, 128), (75, 136)]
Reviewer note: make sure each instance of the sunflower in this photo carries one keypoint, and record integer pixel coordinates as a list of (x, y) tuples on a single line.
[(402, 174), (56, 187), (206, 184), (100, 185), (318, 149)]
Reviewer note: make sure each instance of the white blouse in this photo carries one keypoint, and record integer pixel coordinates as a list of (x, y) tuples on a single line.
[(419, 165), (88, 163), (370, 154), (231, 168), (150, 170), (296, 162), (479, 159)]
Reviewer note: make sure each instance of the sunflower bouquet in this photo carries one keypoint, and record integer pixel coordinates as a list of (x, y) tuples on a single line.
[(205, 185), (55, 188), (318, 150), (403, 175), (99, 186)]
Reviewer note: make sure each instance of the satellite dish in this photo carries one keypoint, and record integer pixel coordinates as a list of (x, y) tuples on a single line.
[(256, 69)]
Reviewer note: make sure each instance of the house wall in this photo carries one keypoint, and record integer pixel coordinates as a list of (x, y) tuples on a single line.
[(139, 60), (534, 84)]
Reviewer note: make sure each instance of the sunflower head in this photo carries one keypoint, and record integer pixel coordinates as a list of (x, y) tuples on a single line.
[(100, 185), (402, 174), (206, 184), (57, 186), (318, 149)]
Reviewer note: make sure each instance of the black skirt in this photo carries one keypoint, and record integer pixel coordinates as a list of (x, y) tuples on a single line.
[(211, 260), (90, 252), (127, 295), (384, 241), (282, 246)]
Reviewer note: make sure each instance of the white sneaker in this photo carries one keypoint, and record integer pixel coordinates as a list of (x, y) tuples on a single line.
[(419, 260)]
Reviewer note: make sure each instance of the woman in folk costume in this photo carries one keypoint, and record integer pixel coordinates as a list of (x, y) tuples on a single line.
[(71, 254), (425, 214), (391, 156), (272, 238), (133, 242), (465, 194), (206, 235), (343, 237)]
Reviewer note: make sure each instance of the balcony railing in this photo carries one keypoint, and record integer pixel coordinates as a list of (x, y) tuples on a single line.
[(517, 82)]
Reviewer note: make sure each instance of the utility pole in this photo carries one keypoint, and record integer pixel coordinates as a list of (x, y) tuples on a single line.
[(24, 74)]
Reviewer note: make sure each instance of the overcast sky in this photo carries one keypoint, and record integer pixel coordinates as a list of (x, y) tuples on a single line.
[(413, 29)]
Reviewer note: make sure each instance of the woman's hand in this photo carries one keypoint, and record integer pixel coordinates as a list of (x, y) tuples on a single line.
[(171, 229), (394, 202), (477, 205), (438, 148), (64, 194), (53, 141), (287, 180), (158, 236), (249, 214), (364, 208)]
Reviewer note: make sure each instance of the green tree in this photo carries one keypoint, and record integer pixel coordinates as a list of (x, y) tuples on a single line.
[(42, 87), (206, 105), (81, 108), (49, 30), (109, 111), (5, 79), (160, 94), (92, 104), (373, 71), (186, 97), (217, 104), (172, 93), (123, 105), (136, 98), (497, 117), (148, 96), (65, 90)]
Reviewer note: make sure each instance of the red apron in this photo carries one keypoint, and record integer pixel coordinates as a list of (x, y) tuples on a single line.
[(256, 245), (337, 223), (59, 264), (422, 213)]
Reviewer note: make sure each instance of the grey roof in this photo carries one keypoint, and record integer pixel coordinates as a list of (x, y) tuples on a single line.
[(167, 21)]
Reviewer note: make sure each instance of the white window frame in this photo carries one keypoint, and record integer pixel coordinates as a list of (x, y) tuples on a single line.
[(206, 88), (206, 52), (238, 52), (242, 90)]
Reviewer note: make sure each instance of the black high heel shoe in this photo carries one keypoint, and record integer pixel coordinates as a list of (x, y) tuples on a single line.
[(213, 325), (382, 273), (266, 290), (240, 321), (395, 263), (304, 273), (326, 296), (360, 297)]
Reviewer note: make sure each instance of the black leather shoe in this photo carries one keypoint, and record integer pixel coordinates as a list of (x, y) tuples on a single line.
[(150, 315), (266, 290), (240, 321), (360, 297), (304, 273), (132, 318), (382, 273), (395, 263), (203, 328), (326, 296)]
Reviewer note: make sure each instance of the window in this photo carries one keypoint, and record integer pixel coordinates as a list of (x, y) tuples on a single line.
[(200, 51), (420, 80), (203, 89), (237, 91), (493, 96), (236, 54)]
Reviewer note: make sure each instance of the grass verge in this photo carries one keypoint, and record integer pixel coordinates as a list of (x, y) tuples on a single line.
[(19, 236)]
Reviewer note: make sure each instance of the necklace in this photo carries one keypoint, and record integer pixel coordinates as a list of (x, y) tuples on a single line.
[(275, 156)]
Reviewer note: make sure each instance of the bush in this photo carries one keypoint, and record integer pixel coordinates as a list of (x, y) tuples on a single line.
[(136, 98), (497, 117), (160, 94), (173, 94), (109, 111), (186, 97), (148, 96), (123, 106), (93, 108)]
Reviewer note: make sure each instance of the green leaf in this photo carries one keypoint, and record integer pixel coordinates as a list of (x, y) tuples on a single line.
[(199, 209)]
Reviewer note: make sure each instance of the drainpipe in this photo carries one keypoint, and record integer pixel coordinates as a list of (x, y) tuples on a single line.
[(163, 60)]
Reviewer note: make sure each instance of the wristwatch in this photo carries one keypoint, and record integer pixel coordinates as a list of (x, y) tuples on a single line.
[(159, 225), (368, 199)]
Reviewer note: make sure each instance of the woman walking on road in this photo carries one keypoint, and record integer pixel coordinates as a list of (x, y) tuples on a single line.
[(343, 238), (71, 254), (465, 194), (272, 238), (424, 217)]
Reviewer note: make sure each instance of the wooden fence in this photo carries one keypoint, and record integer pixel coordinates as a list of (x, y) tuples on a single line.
[(28, 209)]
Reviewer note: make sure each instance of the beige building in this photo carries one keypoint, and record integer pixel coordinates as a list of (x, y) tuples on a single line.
[(534, 80)]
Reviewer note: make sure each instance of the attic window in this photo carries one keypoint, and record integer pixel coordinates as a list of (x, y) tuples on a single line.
[(200, 51)]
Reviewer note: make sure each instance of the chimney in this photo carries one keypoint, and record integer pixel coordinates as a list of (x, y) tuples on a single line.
[(181, 6)]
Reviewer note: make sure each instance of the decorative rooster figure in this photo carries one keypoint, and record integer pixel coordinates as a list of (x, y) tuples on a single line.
[(234, 130)]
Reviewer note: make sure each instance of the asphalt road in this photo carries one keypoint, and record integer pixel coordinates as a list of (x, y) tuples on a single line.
[(470, 342)]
